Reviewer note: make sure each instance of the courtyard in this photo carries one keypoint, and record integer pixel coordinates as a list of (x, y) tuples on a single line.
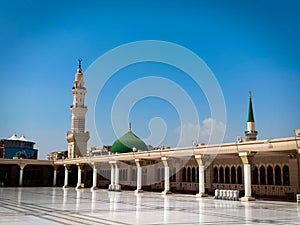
[(70, 206)]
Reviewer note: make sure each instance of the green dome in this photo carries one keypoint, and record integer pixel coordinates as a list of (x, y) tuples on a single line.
[(125, 143)]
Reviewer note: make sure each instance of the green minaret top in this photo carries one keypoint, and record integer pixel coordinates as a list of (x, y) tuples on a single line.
[(250, 112)]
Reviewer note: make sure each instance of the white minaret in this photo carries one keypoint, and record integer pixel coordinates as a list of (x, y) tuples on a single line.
[(250, 133), (77, 138)]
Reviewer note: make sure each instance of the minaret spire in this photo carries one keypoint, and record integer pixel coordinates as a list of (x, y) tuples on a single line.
[(251, 133), (250, 111), (129, 130), (77, 138), (79, 63)]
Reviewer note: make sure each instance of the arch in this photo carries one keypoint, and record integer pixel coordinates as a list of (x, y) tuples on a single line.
[(158, 174), (184, 174), (133, 174), (173, 177), (286, 175), (193, 175), (233, 175), (255, 175), (221, 172), (216, 175), (120, 174), (270, 180), (239, 175), (277, 175), (227, 175), (189, 174), (162, 172), (262, 177)]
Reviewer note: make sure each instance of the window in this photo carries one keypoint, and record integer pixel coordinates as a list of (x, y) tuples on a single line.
[(227, 177), (221, 170), (216, 174), (193, 175), (270, 175), (277, 175), (189, 174), (255, 175), (286, 175), (184, 174), (233, 175), (262, 175), (239, 175)]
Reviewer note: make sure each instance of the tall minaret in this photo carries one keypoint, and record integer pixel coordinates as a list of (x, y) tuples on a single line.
[(77, 138), (251, 133)]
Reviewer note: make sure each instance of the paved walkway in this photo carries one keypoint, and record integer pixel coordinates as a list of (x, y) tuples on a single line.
[(56, 206)]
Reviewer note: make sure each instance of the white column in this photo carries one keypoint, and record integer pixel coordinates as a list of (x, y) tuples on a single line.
[(199, 159), (94, 187), (117, 178), (21, 175), (112, 177), (138, 176), (167, 176), (79, 176), (246, 159), (247, 180), (54, 176), (66, 176)]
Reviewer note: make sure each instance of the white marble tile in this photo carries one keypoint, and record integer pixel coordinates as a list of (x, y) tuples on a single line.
[(58, 206)]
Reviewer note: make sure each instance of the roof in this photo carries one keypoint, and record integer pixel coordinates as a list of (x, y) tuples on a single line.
[(127, 142), (14, 137)]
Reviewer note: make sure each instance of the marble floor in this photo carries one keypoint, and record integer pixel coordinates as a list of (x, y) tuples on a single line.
[(58, 206)]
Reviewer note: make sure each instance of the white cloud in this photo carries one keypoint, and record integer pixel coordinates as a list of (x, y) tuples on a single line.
[(209, 131)]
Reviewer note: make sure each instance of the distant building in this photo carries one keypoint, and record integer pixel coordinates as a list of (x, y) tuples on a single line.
[(98, 151), (57, 155), (15, 147)]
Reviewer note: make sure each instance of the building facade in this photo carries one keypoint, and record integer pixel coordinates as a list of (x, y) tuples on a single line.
[(256, 168), (17, 147)]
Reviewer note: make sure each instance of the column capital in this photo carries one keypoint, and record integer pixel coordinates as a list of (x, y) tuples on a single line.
[(80, 165), (199, 159), (137, 163), (94, 165), (246, 157), (55, 167), (140, 162), (67, 166), (22, 166), (165, 161), (202, 159)]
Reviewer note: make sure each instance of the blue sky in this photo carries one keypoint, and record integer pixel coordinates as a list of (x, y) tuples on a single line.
[(248, 45)]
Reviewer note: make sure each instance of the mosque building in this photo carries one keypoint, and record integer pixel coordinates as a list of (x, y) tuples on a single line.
[(17, 147), (256, 168)]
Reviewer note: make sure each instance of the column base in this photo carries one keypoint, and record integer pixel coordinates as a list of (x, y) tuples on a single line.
[(94, 188), (247, 199), (114, 187), (117, 187), (166, 192), (80, 186), (201, 195), (138, 191), (111, 187)]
